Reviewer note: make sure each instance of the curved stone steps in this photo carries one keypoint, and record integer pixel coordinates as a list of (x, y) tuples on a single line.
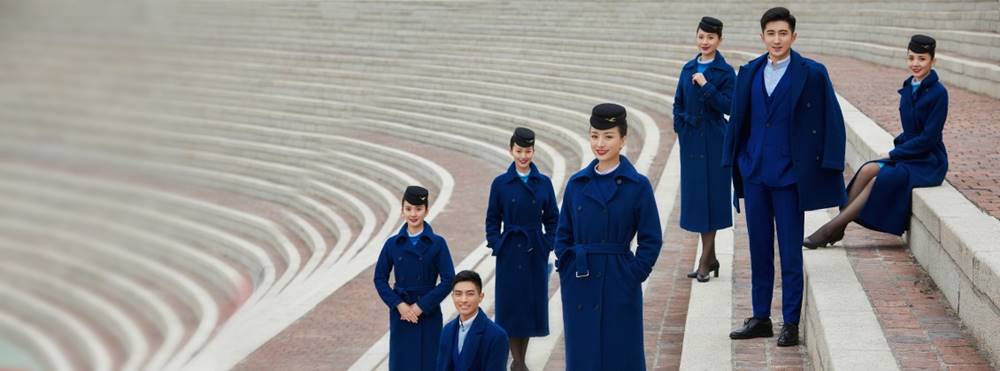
[(111, 324), (140, 301)]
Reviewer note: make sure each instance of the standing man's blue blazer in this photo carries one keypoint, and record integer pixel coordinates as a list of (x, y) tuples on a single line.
[(485, 347), (413, 346), (701, 131), (817, 132), (522, 249)]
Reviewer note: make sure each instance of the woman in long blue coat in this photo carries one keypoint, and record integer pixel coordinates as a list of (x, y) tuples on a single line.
[(880, 193), (605, 206), (418, 258), (704, 94), (522, 202)]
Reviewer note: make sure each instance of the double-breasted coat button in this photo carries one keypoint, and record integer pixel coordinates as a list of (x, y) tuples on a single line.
[(814, 131), (532, 202), (578, 208), (619, 181), (597, 307), (579, 306), (817, 158), (808, 105), (513, 200)]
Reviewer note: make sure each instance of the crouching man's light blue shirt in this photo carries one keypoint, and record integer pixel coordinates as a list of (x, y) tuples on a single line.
[(463, 329)]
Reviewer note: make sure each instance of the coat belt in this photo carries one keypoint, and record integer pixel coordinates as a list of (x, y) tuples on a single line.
[(531, 233), (582, 252)]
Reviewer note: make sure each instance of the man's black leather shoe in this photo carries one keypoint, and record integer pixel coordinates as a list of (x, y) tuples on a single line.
[(753, 328), (789, 335)]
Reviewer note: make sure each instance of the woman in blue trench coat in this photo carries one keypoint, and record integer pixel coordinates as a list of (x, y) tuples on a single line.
[(417, 257), (704, 94), (522, 202), (879, 195), (605, 206)]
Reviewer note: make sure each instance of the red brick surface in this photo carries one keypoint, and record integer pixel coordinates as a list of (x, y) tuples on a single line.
[(923, 332)]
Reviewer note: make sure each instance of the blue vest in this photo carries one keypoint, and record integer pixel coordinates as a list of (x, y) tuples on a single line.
[(768, 158)]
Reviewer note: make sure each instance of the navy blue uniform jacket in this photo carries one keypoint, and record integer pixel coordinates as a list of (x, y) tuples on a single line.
[(918, 160), (600, 277), (522, 249), (817, 133), (701, 130), (416, 269), (485, 347)]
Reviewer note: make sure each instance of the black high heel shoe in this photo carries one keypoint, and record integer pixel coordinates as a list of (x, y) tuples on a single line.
[(829, 241), (712, 268)]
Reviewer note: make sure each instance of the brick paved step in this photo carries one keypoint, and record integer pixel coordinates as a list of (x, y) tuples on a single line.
[(951, 238)]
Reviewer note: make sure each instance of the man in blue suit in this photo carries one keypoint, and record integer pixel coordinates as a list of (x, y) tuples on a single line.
[(785, 145), (471, 342)]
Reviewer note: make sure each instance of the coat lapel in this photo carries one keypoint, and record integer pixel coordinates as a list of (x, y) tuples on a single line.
[(531, 184), (799, 75), (472, 340), (425, 245), (451, 332)]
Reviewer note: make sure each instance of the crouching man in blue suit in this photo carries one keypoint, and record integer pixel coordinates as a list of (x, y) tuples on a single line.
[(786, 147), (471, 342)]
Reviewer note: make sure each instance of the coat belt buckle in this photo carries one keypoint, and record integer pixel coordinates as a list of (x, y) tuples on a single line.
[(585, 275)]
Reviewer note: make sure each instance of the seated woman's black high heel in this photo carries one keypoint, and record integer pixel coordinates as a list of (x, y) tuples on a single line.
[(835, 237), (712, 268)]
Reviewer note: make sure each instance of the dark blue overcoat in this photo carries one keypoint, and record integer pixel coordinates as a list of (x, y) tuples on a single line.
[(416, 270), (600, 277), (919, 158), (817, 133), (522, 249), (701, 130), (485, 347)]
